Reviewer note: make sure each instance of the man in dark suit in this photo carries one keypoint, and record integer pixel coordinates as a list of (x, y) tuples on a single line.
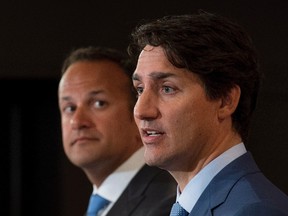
[(197, 79), (96, 100)]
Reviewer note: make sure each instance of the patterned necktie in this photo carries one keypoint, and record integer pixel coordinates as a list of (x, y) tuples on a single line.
[(177, 210), (96, 204)]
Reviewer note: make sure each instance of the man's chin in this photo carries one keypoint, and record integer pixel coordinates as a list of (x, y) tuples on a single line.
[(82, 162), (152, 160)]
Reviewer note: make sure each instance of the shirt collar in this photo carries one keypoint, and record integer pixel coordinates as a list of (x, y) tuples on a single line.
[(116, 182), (199, 182)]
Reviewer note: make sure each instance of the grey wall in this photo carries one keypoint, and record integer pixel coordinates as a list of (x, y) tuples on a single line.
[(37, 35)]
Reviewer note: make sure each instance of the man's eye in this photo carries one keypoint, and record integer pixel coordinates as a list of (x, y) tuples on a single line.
[(167, 90), (139, 90), (99, 104), (69, 109)]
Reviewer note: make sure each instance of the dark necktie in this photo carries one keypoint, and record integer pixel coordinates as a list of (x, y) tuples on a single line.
[(96, 204), (177, 210)]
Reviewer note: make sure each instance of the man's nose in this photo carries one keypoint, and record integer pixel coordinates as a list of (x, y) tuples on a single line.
[(81, 119), (146, 106)]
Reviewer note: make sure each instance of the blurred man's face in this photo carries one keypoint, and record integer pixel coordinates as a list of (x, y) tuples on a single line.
[(97, 121)]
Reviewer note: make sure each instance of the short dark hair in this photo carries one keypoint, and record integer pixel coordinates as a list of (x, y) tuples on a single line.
[(99, 53), (218, 50), (93, 54)]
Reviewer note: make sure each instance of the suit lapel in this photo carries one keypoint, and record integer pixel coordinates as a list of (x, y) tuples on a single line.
[(135, 192), (218, 189)]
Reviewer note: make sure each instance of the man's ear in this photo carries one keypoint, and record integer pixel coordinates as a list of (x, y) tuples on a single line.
[(229, 102)]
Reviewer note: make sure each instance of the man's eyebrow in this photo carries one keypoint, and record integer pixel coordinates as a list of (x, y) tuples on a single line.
[(154, 75), (135, 77), (66, 98), (91, 94)]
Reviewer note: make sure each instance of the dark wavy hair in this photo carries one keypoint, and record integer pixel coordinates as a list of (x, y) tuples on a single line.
[(218, 50)]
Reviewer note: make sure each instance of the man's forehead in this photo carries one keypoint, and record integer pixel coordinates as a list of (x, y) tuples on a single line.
[(152, 50)]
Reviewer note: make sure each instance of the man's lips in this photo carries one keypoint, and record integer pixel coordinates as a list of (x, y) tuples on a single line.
[(84, 139), (150, 135)]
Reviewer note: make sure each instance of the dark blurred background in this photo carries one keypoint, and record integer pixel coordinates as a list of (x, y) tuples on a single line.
[(35, 37)]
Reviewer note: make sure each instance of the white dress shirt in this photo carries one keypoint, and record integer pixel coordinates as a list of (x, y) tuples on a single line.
[(193, 190), (115, 184)]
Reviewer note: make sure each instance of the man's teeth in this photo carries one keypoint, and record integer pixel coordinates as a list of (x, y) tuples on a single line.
[(153, 133)]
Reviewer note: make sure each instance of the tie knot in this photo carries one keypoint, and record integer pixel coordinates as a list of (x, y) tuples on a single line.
[(96, 203), (178, 210)]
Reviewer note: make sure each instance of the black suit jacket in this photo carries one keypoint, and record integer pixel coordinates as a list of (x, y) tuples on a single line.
[(151, 192)]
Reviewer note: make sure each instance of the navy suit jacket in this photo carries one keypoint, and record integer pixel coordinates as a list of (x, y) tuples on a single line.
[(151, 192), (241, 189)]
